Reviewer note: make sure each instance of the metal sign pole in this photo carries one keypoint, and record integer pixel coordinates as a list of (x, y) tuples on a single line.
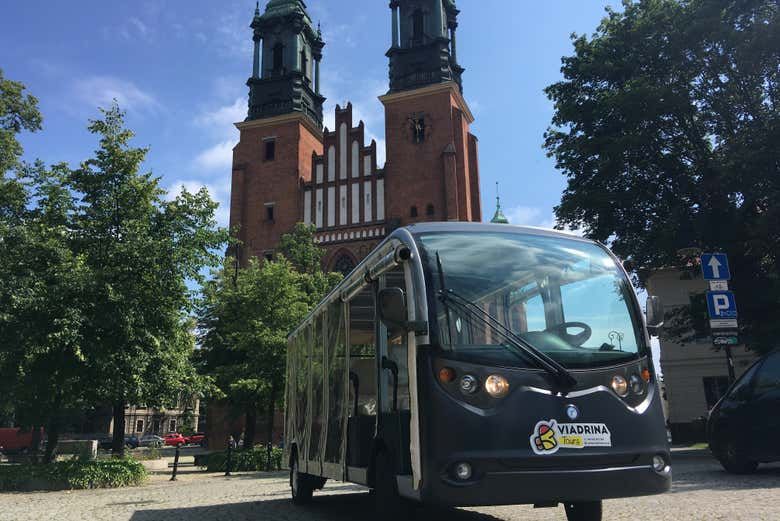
[(721, 304)]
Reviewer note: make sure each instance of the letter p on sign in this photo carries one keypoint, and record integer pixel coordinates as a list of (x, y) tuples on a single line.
[(721, 304)]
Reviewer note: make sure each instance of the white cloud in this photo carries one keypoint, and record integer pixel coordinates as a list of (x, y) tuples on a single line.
[(524, 215), (534, 216), (220, 123), (103, 90), (140, 27), (130, 30), (224, 116), (217, 157)]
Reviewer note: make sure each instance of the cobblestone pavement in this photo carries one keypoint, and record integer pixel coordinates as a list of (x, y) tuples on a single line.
[(702, 491)]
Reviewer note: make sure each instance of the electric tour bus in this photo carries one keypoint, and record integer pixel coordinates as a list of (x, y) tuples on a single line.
[(466, 364)]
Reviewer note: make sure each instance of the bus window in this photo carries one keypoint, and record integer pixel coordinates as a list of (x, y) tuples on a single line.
[(336, 347), (317, 396), (362, 352), (302, 382), (599, 303), (525, 309), (362, 404), (396, 350)]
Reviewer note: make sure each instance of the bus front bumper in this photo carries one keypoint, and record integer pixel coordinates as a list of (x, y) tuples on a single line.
[(550, 486)]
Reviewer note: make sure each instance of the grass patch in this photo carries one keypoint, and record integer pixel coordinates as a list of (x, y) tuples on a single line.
[(244, 460), (73, 474)]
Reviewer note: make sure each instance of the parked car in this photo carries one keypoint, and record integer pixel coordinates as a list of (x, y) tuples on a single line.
[(198, 438), (742, 427), (106, 442), (15, 440), (151, 440), (174, 439)]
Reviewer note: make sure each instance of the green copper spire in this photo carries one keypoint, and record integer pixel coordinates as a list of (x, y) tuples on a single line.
[(499, 217)]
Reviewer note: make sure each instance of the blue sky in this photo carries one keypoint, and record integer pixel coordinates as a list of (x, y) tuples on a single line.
[(179, 69)]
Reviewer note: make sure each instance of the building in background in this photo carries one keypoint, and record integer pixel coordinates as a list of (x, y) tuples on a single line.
[(287, 168), (140, 420), (695, 373)]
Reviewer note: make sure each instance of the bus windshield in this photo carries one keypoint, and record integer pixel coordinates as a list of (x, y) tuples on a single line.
[(565, 297)]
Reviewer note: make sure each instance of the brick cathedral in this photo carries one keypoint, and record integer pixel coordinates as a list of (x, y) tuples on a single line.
[(287, 168)]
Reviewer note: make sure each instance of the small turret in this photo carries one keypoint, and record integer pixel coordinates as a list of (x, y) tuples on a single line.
[(499, 217), (286, 66), (424, 50)]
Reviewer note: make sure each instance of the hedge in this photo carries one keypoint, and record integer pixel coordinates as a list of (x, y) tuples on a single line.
[(73, 474), (245, 460)]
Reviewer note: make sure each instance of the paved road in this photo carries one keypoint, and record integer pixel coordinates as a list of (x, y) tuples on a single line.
[(702, 491)]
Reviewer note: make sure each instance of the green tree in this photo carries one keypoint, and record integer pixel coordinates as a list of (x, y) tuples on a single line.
[(666, 126), (246, 315), (18, 112), (244, 321), (40, 304), (39, 278), (299, 248), (141, 250)]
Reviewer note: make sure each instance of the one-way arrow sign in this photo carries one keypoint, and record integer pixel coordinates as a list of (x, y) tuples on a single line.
[(715, 266)]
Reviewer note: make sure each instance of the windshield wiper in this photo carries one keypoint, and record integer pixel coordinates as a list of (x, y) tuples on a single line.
[(516, 343)]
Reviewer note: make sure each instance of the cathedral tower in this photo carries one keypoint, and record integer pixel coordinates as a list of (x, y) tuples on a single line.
[(432, 167), (283, 128)]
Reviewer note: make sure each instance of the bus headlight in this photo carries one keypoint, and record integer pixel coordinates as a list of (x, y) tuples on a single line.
[(637, 384), (497, 386), (468, 384), (620, 386)]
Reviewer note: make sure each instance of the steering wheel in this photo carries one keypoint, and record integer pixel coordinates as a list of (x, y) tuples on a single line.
[(575, 340)]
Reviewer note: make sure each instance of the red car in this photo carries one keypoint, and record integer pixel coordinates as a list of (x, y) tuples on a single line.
[(196, 439), (16, 440), (175, 439)]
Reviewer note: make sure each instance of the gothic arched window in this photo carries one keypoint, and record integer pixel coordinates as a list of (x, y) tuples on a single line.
[(344, 264)]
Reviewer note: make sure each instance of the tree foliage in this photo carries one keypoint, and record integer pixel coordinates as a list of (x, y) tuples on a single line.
[(666, 126), (95, 263), (141, 250), (246, 315), (18, 112)]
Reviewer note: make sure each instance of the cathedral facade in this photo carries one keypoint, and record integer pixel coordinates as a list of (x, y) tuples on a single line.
[(287, 168)]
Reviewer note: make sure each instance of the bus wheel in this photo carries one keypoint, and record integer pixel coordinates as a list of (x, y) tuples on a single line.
[(389, 504), (584, 511), (300, 484), (734, 461)]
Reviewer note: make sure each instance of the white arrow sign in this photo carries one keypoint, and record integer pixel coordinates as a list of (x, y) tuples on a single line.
[(715, 265)]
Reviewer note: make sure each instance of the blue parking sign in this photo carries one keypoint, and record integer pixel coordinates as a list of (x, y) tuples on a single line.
[(721, 304), (715, 266)]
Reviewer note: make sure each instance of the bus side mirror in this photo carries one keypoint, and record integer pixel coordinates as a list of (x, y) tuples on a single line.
[(654, 311), (392, 308)]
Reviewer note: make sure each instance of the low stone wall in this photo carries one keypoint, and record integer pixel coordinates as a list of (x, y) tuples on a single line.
[(78, 448)]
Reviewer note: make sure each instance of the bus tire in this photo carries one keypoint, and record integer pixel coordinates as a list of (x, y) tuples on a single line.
[(301, 485), (732, 459), (389, 504), (583, 511)]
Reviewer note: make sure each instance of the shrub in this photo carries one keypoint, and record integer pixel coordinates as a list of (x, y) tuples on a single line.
[(245, 460), (153, 453), (73, 474)]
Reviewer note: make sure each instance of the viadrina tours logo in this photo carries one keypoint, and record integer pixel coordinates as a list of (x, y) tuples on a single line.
[(550, 436)]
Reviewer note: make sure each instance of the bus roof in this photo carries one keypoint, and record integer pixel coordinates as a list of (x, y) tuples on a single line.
[(460, 226)]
